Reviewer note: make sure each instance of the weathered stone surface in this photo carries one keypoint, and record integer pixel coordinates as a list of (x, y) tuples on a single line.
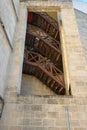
[(48, 122), (5, 14), (15, 128), (52, 101), (32, 86), (34, 128), (8, 19), (4, 57), (82, 26), (46, 112), (4, 127), (36, 107)]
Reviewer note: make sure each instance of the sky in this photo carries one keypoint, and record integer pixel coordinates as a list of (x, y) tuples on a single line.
[(80, 5), (80, 0)]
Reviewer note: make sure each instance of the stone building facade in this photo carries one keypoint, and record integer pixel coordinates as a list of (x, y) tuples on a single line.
[(33, 112)]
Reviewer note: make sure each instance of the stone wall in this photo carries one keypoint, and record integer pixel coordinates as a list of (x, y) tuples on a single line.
[(7, 15), (7, 28), (44, 113), (48, 112), (32, 86), (4, 57), (82, 26)]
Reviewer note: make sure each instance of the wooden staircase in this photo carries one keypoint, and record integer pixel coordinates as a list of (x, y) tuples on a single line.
[(39, 66), (42, 57), (38, 40), (45, 22)]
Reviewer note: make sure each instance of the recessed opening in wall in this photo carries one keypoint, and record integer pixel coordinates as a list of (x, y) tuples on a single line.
[(42, 67)]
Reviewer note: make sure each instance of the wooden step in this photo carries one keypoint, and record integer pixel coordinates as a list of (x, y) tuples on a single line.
[(45, 22)]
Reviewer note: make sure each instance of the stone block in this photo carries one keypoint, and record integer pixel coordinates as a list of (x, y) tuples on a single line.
[(15, 128), (61, 123), (48, 122), (80, 128), (54, 128), (75, 123), (4, 127), (53, 115), (24, 121), (36, 122), (52, 101), (36, 107), (34, 128), (40, 114)]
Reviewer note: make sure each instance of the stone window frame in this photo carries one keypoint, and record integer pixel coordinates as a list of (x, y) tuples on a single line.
[(64, 55)]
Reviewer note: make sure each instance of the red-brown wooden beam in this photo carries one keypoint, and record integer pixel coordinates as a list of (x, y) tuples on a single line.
[(36, 60), (44, 44), (45, 22)]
